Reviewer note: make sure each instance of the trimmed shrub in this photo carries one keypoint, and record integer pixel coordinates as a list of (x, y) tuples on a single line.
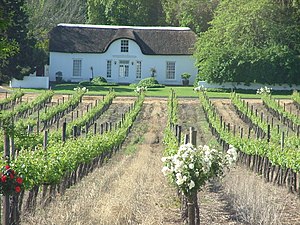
[(150, 82), (99, 80)]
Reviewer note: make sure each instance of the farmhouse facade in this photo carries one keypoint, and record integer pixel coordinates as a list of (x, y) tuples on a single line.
[(121, 54)]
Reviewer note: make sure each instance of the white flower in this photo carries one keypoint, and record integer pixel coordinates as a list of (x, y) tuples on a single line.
[(179, 179), (185, 155), (231, 155), (164, 159), (191, 184), (178, 165), (206, 148), (166, 171), (191, 166)]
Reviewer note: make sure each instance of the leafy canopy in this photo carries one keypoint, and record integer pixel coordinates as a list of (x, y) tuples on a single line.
[(250, 41)]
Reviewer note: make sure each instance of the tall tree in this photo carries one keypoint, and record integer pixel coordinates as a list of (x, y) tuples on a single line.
[(7, 47), (250, 41), (195, 14), (46, 14), (125, 12), (21, 63)]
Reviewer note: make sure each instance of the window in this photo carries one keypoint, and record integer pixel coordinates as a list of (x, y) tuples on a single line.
[(138, 69), (108, 68), (77, 67), (124, 45), (170, 73), (123, 68)]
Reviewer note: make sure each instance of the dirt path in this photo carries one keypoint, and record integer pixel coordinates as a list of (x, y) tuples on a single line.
[(226, 109), (214, 207)]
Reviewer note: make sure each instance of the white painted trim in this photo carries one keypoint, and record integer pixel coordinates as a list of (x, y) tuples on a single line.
[(118, 27)]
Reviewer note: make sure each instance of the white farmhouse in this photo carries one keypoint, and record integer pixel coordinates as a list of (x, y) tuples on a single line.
[(121, 54)]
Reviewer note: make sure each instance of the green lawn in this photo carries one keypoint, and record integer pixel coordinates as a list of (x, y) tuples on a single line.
[(126, 90)]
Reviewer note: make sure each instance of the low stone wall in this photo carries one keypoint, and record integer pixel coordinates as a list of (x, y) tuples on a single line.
[(252, 86), (30, 82)]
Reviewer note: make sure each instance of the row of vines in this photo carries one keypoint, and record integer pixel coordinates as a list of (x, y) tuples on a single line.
[(266, 149), (38, 165)]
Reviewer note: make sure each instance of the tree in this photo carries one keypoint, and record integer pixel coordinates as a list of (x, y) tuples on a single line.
[(7, 47), (125, 12), (20, 63), (46, 14), (195, 14), (249, 41)]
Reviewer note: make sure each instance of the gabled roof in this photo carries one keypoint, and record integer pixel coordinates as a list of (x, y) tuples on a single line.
[(76, 38)]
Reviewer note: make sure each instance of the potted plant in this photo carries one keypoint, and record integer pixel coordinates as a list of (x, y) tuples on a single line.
[(153, 71), (58, 77), (185, 79)]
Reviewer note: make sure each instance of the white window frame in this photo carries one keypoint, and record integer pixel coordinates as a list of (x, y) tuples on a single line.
[(124, 45), (77, 67), (124, 68), (108, 68), (138, 70), (170, 70)]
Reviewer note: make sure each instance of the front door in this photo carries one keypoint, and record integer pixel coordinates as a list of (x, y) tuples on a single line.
[(123, 71)]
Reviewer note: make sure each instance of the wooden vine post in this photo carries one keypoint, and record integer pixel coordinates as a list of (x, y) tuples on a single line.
[(191, 208), (5, 198), (192, 199)]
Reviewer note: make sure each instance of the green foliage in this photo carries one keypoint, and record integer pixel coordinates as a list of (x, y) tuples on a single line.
[(21, 63), (46, 14), (51, 166), (195, 14), (15, 95), (272, 104), (8, 47), (124, 12), (170, 140), (149, 82), (249, 41), (99, 80), (296, 97), (185, 76), (289, 158)]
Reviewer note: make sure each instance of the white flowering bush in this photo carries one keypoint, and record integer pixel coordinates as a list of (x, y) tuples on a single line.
[(200, 88), (264, 91), (79, 89), (191, 167), (140, 89)]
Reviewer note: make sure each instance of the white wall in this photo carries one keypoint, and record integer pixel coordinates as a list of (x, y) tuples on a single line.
[(64, 62), (252, 86), (30, 82)]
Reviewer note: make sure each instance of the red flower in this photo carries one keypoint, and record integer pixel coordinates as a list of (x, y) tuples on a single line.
[(11, 175), (3, 178), (17, 189), (7, 167), (19, 180)]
